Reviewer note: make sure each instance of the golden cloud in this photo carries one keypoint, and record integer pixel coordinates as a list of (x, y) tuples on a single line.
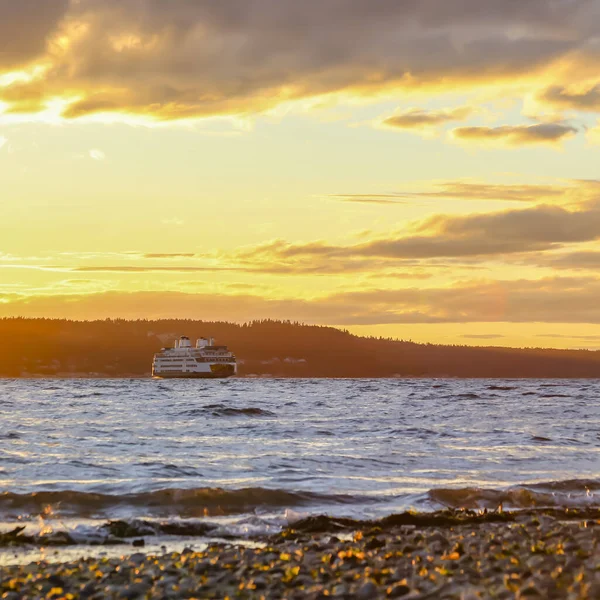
[(417, 119), (574, 300), (570, 98), (570, 190), (25, 29), (575, 261), (182, 59), (542, 227), (516, 135)]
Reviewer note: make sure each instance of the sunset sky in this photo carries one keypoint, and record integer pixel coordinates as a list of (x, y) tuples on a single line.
[(421, 169)]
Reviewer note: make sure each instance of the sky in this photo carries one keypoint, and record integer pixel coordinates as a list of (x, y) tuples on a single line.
[(417, 169)]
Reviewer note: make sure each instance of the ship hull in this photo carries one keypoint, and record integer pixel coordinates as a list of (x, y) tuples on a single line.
[(193, 376)]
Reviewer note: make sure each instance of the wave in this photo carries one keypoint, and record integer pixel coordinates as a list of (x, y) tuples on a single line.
[(185, 503), (554, 494), (51, 533), (202, 502), (262, 529), (540, 438), (502, 388), (171, 470), (220, 410)]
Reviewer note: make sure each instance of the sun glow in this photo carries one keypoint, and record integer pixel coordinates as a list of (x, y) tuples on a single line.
[(412, 178)]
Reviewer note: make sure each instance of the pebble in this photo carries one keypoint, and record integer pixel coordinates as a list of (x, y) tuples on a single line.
[(526, 561), (134, 591), (367, 591), (398, 591)]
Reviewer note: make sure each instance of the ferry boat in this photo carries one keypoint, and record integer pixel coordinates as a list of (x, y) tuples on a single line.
[(184, 361)]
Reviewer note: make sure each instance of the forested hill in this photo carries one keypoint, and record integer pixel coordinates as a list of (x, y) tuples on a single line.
[(114, 348)]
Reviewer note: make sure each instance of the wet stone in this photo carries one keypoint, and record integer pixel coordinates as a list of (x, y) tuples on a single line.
[(260, 583), (367, 591), (88, 590), (374, 543), (439, 538), (450, 563), (136, 559), (134, 591), (530, 592), (398, 591)]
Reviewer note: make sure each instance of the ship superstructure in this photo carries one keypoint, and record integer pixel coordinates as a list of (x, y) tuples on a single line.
[(184, 361)]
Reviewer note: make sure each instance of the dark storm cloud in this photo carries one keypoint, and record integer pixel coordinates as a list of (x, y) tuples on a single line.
[(200, 57)]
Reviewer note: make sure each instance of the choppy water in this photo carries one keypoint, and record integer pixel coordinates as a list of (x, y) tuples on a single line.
[(243, 451)]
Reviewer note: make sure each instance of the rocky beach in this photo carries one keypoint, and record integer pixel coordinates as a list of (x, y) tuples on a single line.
[(446, 556)]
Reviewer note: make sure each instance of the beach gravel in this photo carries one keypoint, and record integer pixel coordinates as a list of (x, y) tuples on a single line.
[(528, 558)]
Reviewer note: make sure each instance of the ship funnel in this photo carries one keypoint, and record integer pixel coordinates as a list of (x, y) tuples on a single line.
[(201, 343)]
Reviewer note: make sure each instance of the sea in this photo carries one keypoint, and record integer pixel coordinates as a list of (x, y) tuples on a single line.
[(183, 462)]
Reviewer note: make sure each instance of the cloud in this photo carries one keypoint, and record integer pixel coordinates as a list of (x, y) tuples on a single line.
[(563, 97), (369, 198), (181, 59), (541, 235), (580, 260), (588, 338), (415, 118), (463, 190), (25, 26), (270, 266), (542, 227), (551, 300), (150, 269), (517, 135), (468, 190)]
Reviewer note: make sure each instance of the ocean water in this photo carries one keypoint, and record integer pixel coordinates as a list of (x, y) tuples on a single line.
[(249, 455)]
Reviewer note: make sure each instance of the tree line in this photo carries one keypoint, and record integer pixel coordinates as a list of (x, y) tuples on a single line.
[(122, 348)]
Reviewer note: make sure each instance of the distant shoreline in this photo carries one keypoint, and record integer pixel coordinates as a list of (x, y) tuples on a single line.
[(269, 377), (46, 348)]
